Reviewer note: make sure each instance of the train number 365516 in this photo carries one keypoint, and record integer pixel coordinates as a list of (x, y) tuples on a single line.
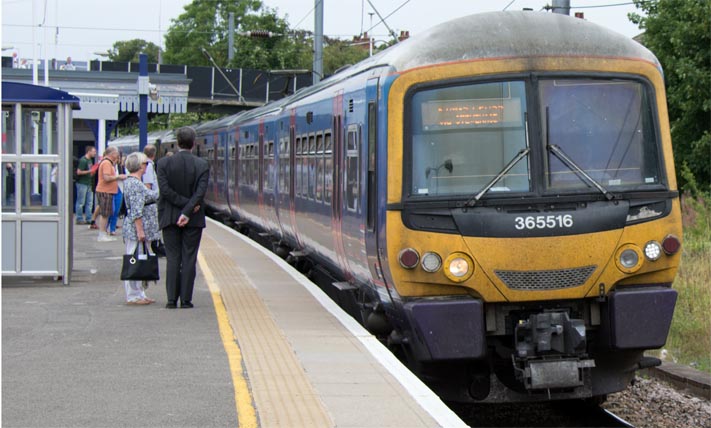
[(544, 222)]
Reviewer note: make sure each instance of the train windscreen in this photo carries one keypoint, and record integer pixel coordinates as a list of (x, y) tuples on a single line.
[(604, 127), (464, 136)]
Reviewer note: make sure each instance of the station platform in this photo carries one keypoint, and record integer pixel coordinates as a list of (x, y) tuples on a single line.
[(263, 347)]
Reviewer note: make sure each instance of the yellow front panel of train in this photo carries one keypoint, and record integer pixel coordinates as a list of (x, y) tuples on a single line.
[(521, 268)]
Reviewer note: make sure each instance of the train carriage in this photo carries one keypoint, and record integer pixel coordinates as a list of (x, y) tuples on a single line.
[(494, 198)]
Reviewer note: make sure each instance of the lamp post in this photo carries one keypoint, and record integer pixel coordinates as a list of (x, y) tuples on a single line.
[(143, 89), (370, 40)]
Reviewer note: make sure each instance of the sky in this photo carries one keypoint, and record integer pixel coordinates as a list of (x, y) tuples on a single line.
[(83, 29)]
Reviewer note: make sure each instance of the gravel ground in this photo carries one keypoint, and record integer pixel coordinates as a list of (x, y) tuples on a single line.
[(653, 404)]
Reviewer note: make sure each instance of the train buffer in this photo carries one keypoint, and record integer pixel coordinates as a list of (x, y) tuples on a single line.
[(262, 347)]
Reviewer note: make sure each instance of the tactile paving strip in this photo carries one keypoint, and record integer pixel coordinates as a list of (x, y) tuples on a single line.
[(282, 393)]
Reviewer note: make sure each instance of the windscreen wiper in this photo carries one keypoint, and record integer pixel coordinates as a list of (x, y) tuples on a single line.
[(474, 199), (560, 154)]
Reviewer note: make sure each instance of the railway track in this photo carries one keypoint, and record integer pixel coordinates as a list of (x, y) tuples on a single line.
[(550, 414)]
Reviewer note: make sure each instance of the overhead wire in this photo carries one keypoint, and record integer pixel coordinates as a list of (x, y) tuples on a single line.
[(382, 20), (602, 5), (306, 16)]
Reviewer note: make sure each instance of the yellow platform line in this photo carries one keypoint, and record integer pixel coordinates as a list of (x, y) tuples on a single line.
[(246, 413), (282, 393)]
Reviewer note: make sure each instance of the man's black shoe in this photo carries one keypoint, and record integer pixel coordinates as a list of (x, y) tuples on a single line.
[(171, 305), (186, 305)]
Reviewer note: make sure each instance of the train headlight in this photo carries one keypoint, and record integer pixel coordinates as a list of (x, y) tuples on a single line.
[(458, 267), (629, 258), (652, 250), (431, 262), (409, 258)]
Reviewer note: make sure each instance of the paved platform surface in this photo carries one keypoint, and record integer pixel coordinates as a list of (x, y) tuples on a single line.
[(262, 347)]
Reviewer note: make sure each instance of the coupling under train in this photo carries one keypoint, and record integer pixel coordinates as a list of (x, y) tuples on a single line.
[(495, 199)]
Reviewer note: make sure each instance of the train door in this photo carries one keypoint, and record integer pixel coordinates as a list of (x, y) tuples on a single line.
[(352, 222), (269, 184), (292, 178), (235, 163), (372, 231), (338, 186), (212, 154), (222, 162), (283, 183), (260, 173)]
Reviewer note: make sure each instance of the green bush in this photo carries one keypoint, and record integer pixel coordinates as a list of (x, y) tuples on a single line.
[(689, 339)]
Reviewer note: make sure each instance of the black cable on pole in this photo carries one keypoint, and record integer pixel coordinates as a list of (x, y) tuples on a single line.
[(602, 5)]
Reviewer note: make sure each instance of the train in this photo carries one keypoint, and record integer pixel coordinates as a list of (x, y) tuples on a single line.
[(494, 199)]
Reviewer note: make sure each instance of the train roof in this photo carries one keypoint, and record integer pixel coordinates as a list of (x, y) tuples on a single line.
[(152, 137), (508, 34), (490, 35)]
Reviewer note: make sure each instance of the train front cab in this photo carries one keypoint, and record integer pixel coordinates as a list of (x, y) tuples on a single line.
[(533, 224)]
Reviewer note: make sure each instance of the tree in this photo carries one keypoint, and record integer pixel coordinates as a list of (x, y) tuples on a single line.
[(679, 34), (205, 25), (128, 51), (339, 53)]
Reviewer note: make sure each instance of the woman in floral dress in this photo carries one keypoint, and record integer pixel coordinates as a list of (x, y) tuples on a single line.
[(141, 221)]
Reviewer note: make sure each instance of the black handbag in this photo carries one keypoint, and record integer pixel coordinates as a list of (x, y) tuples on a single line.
[(140, 267)]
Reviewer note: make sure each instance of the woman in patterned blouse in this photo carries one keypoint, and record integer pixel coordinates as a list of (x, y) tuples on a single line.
[(141, 221)]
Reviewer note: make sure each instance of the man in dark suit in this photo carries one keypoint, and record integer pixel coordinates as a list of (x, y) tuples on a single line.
[(182, 180)]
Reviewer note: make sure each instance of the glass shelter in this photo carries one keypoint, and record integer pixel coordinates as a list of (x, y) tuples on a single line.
[(37, 181)]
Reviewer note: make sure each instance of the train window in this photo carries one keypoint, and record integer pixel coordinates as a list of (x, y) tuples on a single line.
[(299, 169), (288, 162), (319, 167), (352, 176), (305, 167), (253, 170), (297, 166), (463, 136), (255, 165), (247, 161), (604, 127), (371, 191), (328, 168), (242, 165), (312, 166), (283, 165), (269, 166)]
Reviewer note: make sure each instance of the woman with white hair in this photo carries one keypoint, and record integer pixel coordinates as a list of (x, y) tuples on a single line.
[(141, 221)]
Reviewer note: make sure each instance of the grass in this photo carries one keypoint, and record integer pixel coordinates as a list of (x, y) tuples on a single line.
[(689, 340)]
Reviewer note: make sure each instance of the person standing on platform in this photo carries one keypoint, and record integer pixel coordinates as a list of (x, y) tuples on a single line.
[(141, 222), (118, 199), (106, 189), (151, 182), (85, 193), (182, 180)]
